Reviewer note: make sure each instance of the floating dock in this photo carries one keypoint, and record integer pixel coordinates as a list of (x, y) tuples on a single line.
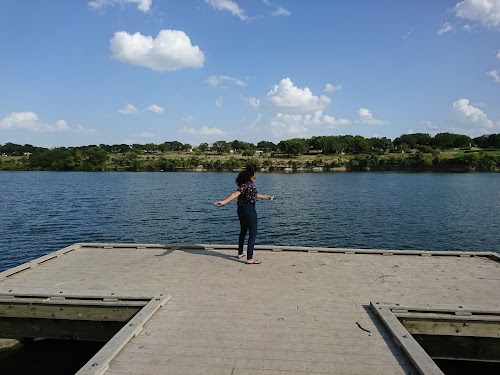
[(195, 309)]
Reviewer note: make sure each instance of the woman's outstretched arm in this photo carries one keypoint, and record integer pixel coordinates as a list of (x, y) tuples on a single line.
[(234, 195), (263, 196)]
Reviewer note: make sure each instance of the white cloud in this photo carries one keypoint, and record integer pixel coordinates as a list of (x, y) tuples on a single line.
[(155, 108), (214, 81), (429, 125), (445, 28), (498, 54), (366, 117), (147, 135), (253, 102), (471, 116), (332, 121), (218, 102), (82, 129), (281, 12), (287, 98), (204, 131), (171, 50), (61, 125), (285, 124), (30, 121), (407, 35), (142, 5), (494, 74), (18, 120), (128, 109), (230, 6), (256, 121), (484, 12), (303, 125), (188, 119), (331, 88)]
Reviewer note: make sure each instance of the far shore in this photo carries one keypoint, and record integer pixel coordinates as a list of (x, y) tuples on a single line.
[(98, 160)]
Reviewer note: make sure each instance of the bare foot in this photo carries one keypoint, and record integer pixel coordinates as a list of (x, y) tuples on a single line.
[(253, 261), (239, 256)]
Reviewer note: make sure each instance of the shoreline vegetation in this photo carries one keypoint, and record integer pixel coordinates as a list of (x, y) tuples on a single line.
[(445, 152)]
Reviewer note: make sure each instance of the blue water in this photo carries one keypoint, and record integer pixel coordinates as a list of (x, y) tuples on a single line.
[(41, 212)]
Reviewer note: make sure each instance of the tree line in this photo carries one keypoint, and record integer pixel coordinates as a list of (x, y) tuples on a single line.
[(367, 153)]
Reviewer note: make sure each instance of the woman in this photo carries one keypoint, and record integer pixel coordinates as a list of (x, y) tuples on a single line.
[(247, 196)]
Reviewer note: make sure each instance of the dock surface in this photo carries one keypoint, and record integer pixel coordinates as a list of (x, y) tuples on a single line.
[(299, 312)]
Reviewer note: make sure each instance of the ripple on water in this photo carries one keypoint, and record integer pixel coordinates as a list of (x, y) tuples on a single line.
[(41, 212)]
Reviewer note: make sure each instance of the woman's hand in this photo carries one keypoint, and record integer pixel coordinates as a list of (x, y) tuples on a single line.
[(263, 196), (234, 195)]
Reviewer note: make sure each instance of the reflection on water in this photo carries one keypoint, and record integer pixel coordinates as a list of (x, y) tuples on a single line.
[(41, 212)]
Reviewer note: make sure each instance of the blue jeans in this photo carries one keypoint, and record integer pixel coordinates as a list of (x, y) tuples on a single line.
[(248, 223)]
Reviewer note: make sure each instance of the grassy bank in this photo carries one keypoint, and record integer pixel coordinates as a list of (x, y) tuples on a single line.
[(478, 160)]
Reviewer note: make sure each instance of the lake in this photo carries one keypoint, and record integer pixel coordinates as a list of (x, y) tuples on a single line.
[(41, 212)]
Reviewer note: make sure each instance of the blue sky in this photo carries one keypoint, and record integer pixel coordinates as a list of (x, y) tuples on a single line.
[(87, 72)]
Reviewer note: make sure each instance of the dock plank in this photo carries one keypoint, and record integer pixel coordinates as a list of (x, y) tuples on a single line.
[(298, 312)]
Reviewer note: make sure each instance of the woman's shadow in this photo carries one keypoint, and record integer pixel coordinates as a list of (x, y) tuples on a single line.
[(200, 250)]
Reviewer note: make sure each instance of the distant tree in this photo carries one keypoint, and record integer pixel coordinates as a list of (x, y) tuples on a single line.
[(151, 147), (413, 140), (171, 146), (423, 139), (348, 142), (494, 140), (404, 147), (105, 147), (137, 147), (383, 144), (295, 146), (242, 146), (95, 159), (115, 149), (267, 146), (203, 147), (444, 140), (488, 141), (481, 141), (360, 145), (221, 147), (330, 144), (248, 149), (425, 149), (131, 161), (338, 145), (40, 161), (321, 143), (315, 143), (462, 141), (13, 149)]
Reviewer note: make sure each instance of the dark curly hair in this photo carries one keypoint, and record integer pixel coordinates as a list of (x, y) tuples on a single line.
[(246, 175)]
